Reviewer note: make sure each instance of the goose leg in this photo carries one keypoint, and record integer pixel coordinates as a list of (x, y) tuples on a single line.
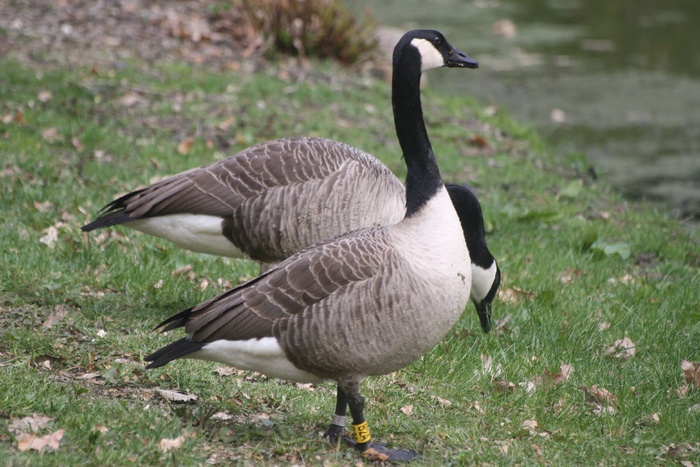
[(337, 426), (363, 440)]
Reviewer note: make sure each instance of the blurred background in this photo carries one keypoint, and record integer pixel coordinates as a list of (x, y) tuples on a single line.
[(615, 80)]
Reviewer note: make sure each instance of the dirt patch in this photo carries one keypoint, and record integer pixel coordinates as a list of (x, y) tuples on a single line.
[(107, 32)]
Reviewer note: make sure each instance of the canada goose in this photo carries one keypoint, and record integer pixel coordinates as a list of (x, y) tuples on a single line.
[(365, 303), (278, 197)]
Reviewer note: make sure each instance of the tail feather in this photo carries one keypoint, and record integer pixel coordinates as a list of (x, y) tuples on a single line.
[(107, 220), (170, 352), (175, 321)]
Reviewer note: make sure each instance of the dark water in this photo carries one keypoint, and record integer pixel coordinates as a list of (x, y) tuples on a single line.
[(617, 80)]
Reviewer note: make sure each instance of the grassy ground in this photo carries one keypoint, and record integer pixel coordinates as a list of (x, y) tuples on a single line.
[(582, 269)]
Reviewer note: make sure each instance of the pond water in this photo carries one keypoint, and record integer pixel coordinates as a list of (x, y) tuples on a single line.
[(616, 80)]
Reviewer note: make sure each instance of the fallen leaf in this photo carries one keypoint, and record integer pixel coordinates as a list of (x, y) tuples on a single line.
[(530, 425), (34, 423), (477, 407), (565, 371), (602, 326), (44, 95), (88, 376), (29, 441), (174, 396), (166, 444), (50, 237), (185, 146), (443, 402), (372, 454), (569, 275), (604, 410), (623, 349), (504, 386), (487, 367), (600, 395), (691, 373), (76, 143), (43, 207), (514, 295), (58, 314), (407, 409), (228, 371), (181, 270), (100, 429), (221, 416), (130, 99), (478, 141), (51, 134)]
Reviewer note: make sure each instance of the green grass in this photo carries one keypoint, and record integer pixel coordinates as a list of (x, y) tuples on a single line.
[(572, 252)]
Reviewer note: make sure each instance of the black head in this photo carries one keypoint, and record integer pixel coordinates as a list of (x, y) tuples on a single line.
[(434, 50)]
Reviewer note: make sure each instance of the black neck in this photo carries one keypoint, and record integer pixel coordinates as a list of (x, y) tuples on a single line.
[(423, 177), (470, 216)]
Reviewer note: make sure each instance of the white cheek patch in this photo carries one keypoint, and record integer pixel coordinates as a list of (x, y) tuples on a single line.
[(482, 281), (430, 56)]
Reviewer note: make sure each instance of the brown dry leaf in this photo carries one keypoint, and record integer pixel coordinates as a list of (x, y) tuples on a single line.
[(203, 285), (181, 270), (565, 371), (602, 326), (599, 395), (100, 429), (174, 396), (569, 275), (478, 141), (34, 423), (691, 373), (50, 237), (228, 371), (623, 349), (43, 207), (487, 367), (373, 455), (185, 146), (58, 314), (504, 386), (17, 117), (31, 441), (226, 123), (407, 409), (51, 134), (88, 376), (221, 416), (166, 444), (476, 406), (531, 426), (76, 143), (442, 402), (514, 295), (44, 95), (130, 99)]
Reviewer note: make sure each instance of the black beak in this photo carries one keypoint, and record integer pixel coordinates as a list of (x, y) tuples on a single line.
[(483, 309), (461, 60)]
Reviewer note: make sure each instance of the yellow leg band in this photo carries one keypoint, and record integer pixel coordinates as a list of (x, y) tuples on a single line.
[(361, 432)]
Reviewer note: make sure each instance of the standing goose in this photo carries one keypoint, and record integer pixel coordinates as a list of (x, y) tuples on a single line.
[(279, 197), (366, 303)]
